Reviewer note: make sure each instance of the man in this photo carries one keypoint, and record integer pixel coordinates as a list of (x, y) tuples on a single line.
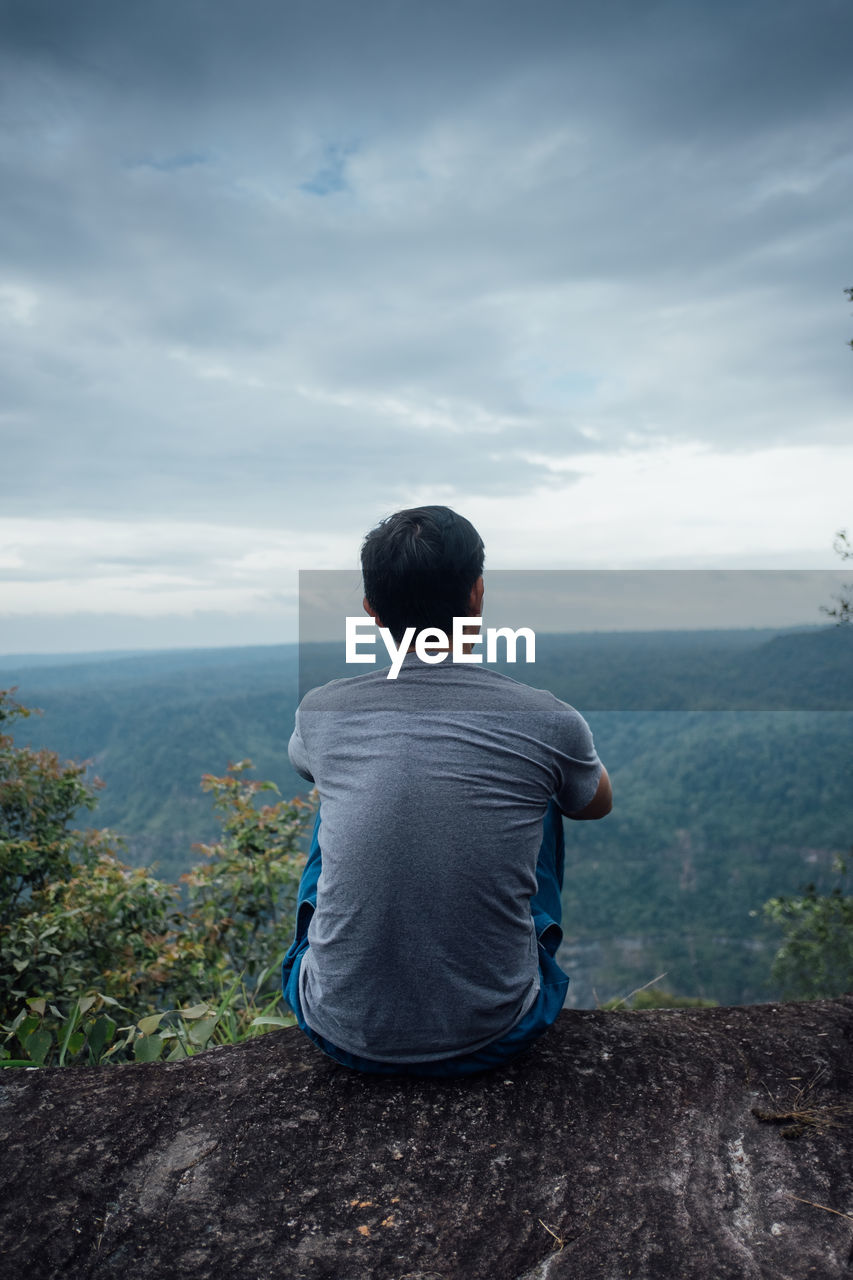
[(428, 914)]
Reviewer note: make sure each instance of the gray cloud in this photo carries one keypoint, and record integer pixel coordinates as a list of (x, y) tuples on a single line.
[(284, 262)]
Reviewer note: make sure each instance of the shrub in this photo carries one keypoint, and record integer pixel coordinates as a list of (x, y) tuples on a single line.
[(98, 960)]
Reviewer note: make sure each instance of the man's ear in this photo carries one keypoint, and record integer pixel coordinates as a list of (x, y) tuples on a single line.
[(365, 604), (475, 599)]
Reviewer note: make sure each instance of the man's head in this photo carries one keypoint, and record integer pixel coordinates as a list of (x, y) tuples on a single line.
[(420, 568)]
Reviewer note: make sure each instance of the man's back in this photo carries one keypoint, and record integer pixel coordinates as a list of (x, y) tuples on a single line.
[(433, 789)]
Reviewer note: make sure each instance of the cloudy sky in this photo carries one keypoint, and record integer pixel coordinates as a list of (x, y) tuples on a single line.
[(272, 270)]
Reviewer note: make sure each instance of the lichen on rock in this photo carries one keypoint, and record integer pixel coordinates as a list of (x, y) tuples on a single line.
[(622, 1145)]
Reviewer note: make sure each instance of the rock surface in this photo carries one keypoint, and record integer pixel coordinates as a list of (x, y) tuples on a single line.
[(622, 1145)]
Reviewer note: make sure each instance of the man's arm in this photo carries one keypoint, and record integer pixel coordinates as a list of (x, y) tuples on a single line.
[(600, 804), (297, 753)]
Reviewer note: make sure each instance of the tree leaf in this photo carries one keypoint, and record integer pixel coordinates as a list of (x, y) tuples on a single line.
[(26, 1026), (149, 1024), (178, 1052), (38, 1044), (101, 1035), (147, 1048), (197, 1011), (202, 1030), (76, 1042)]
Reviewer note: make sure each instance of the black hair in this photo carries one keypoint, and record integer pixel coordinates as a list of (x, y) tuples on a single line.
[(419, 567)]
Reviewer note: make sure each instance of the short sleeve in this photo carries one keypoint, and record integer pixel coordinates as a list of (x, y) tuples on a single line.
[(578, 765), (298, 754)]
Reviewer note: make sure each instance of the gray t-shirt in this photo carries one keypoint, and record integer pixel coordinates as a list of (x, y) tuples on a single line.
[(432, 789)]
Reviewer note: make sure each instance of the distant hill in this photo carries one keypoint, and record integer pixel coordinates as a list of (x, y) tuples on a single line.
[(810, 669), (151, 724), (730, 754)]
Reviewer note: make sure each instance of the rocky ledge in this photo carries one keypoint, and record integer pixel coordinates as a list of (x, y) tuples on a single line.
[(696, 1145)]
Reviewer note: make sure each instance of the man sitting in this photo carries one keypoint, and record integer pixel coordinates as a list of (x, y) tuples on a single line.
[(428, 914)]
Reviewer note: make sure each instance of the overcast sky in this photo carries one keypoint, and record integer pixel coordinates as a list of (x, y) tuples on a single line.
[(270, 271)]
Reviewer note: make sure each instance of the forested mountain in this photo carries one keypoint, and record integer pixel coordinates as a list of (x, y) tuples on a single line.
[(715, 812), (730, 754), (153, 724)]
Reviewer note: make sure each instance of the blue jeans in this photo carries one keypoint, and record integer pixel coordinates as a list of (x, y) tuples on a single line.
[(546, 910)]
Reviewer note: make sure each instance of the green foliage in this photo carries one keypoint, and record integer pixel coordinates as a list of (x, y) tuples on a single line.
[(39, 796), (72, 916), (816, 956), (106, 924), (716, 811), (155, 722), (243, 898), (87, 1031), (651, 997), (666, 1000), (87, 943)]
